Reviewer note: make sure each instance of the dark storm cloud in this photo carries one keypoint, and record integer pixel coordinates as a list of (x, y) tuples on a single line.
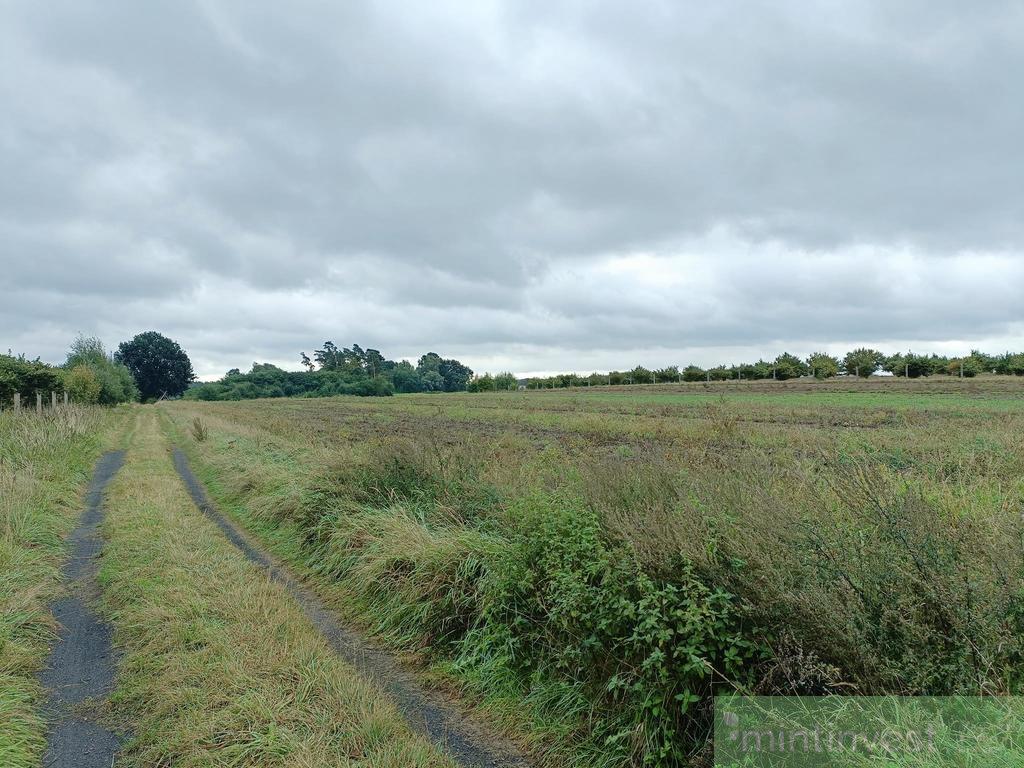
[(520, 183)]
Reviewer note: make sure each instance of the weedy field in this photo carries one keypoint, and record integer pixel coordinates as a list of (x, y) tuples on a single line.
[(589, 568)]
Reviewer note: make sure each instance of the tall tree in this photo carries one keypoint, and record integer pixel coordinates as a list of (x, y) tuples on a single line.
[(158, 364), (823, 365), (862, 362)]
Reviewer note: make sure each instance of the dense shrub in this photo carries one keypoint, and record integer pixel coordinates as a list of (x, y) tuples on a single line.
[(114, 381), (82, 385), (26, 377)]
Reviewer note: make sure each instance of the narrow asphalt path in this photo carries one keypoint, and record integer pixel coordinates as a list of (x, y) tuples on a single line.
[(426, 712), (80, 670)]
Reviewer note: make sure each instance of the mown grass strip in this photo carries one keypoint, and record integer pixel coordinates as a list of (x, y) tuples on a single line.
[(44, 466), (220, 667)]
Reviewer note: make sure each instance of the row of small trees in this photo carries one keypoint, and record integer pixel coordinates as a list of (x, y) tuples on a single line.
[(334, 370), (861, 362)]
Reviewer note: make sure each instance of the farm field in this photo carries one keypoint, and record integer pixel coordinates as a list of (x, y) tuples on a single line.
[(588, 568), (562, 577)]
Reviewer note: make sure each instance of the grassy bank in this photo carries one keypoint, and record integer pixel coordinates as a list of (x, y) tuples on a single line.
[(45, 462), (220, 666), (601, 565)]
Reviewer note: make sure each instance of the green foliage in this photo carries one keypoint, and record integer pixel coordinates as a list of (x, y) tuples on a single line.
[(968, 367), (483, 383), (116, 384), (694, 373), (158, 364), (82, 385), (914, 366), (1011, 364), (641, 375), (266, 380), (862, 362), (506, 381), (787, 366), (451, 375), (822, 365), (26, 377), (562, 603), (667, 375), (345, 371)]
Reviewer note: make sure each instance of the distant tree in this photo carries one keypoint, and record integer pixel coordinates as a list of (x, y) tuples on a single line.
[(505, 381), (668, 374), (694, 373), (158, 365), (405, 378), (1014, 364), (862, 362), (307, 363), (456, 375), (640, 375), (483, 383), (758, 370), (374, 362), (968, 367), (910, 365), (329, 357), (986, 363), (721, 373), (787, 366), (822, 365), (432, 381)]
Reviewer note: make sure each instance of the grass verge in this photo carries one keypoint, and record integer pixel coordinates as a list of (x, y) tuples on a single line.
[(45, 462)]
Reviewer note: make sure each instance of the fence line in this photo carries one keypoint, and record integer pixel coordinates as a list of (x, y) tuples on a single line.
[(56, 401)]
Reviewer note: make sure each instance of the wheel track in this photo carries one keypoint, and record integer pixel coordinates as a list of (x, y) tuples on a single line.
[(427, 713)]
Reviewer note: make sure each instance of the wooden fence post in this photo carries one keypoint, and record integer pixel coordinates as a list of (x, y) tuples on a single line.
[(17, 402), (53, 399), (39, 403), (65, 398)]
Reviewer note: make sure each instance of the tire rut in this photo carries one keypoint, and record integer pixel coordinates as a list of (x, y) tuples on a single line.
[(427, 713), (80, 670)]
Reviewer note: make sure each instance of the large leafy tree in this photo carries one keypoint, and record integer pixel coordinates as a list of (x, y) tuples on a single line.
[(158, 364)]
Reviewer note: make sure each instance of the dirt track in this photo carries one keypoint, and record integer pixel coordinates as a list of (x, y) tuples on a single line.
[(425, 711), (80, 670)]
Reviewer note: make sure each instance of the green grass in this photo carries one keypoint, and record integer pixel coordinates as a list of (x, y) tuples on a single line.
[(220, 666), (592, 566), (45, 463)]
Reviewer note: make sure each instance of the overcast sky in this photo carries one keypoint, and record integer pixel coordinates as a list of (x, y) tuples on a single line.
[(530, 186)]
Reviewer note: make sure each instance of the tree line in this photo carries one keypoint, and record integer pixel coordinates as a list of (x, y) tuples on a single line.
[(334, 370), (146, 367), (861, 362)]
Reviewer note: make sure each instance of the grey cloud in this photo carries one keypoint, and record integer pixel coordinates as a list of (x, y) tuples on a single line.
[(453, 175)]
